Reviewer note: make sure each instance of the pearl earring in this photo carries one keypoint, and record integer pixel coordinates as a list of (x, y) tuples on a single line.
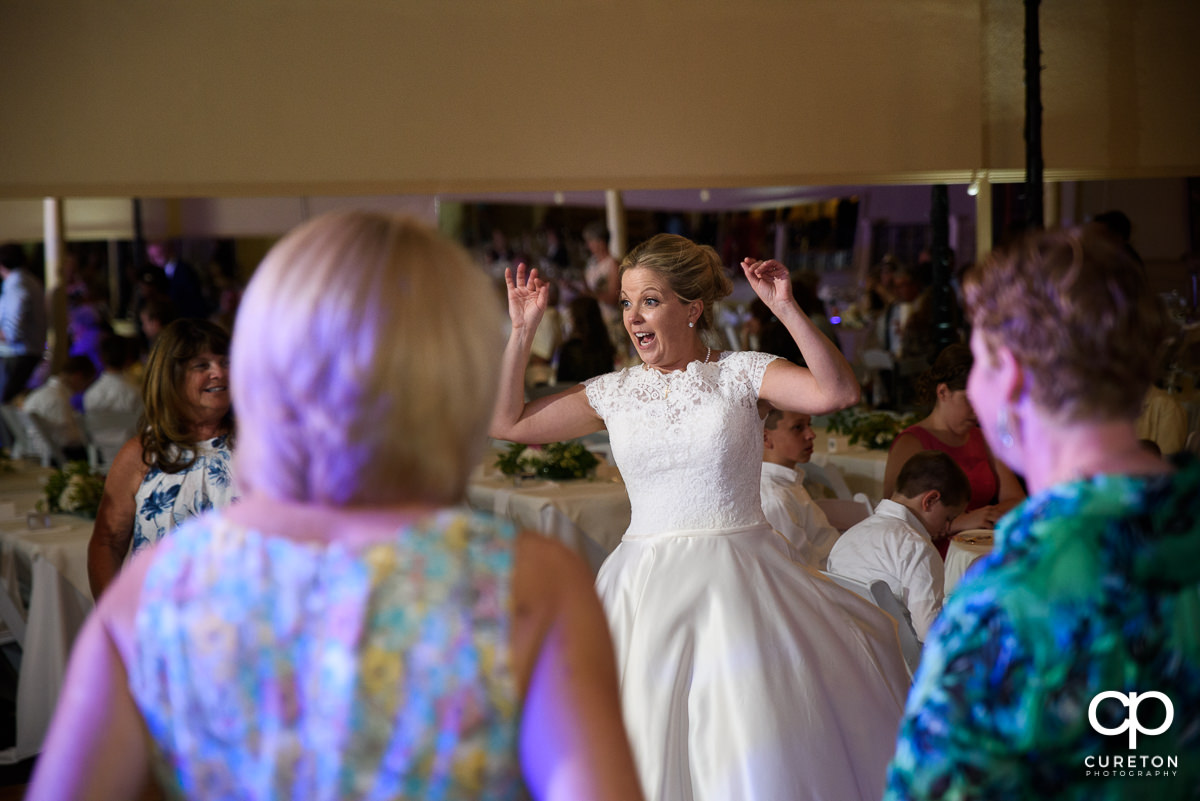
[(1004, 427), (691, 325)]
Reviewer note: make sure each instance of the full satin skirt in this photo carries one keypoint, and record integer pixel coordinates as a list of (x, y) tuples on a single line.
[(747, 676)]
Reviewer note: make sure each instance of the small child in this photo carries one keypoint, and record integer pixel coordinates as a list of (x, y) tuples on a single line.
[(788, 439), (896, 543)]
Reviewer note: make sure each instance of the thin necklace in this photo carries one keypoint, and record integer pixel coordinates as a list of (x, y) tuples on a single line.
[(667, 391)]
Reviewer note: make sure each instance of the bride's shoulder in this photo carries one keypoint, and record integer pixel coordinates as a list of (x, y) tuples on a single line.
[(750, 360)]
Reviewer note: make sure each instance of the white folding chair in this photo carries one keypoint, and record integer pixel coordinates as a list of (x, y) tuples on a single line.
[(878, 593), (31, 437), (827, 476), (107, 431), (845, 512), (910, 646)]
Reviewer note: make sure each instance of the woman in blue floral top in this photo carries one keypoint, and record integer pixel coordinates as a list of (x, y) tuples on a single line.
[(1066, 664), (179, 464), (348, 629)]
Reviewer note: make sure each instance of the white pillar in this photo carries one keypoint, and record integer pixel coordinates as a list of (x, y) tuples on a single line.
[(56, 293), (615, 219), (983, 218), (1051, 204)]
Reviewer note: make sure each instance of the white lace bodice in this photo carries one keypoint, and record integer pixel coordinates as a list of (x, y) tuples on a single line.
[(688, 443)]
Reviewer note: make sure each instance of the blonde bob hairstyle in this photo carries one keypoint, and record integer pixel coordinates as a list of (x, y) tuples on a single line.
[(1076, 311), (367, 349), (693, 272)]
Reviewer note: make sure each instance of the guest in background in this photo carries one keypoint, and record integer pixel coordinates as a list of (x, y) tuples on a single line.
[(788, 440), (22, 322), (951, 427), (183, 282), (1092, 586), (588, 351), (603, 279), (54, 403), (555, 255), (179, 464), (155, 315), (602, 273), (1163, 421), (112, 391), (549, 336), (896, 544), (349, 629)]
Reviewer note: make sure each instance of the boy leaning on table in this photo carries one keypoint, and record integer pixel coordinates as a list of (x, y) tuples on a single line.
[(788, 439), (896, 543)]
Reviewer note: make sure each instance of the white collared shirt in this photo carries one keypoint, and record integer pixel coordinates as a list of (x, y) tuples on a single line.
[(112, 393), (894, 546), (790, 511)]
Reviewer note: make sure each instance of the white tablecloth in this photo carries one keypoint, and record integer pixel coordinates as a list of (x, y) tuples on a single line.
[(589, 515), (45, 600), (961, 555)]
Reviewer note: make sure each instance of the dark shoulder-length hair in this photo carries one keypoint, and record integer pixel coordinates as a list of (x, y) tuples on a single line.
[(166, 431)]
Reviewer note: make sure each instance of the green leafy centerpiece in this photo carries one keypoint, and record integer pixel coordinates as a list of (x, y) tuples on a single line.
[(76, 489), (558, 460), (875, 430)]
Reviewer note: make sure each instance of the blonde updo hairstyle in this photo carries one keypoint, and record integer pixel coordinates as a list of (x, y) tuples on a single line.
[(365, 363), (693, 272), (1076, 311)]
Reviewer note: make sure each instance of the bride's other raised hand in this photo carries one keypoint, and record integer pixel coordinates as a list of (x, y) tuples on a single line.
[(528, 296), (769, 279)]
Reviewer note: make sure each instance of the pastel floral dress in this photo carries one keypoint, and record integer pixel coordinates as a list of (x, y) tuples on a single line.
[(1094, 586), (164, 500), (272, 669)]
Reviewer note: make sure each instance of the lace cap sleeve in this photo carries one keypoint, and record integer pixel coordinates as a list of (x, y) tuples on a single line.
[(753, 366), (598, 389)]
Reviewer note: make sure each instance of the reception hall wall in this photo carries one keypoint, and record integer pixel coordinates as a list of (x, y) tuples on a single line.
[(333, 98)]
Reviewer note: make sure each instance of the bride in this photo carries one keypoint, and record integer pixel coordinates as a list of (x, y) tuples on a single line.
[(743, 675)]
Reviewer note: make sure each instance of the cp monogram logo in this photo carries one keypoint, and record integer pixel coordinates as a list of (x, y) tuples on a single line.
[(1131, 722)]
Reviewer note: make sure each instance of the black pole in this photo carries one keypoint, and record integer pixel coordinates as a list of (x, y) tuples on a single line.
[(945, 326), (1034, 193)]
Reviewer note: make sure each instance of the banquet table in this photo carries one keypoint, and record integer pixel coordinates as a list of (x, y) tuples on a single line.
[(964, 549), (44, 598), (589, 515)]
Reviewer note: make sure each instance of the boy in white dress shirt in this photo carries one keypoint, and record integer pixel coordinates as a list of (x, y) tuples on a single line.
[(788, 439), (896, 543), (111, 391)]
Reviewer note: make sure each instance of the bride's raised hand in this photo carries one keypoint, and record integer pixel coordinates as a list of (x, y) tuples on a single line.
[(770, 280), (528, 296)]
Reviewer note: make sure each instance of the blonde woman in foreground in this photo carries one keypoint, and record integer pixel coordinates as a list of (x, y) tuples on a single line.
[(348, 630)]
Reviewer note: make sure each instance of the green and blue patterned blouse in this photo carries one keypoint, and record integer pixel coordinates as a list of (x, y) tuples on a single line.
[(1094, 586), (273, 669)]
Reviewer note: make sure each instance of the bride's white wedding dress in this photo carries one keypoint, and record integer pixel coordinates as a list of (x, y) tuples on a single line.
[(743, 675)]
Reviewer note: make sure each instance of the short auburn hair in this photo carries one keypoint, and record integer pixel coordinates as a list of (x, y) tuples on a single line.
[(1076, 311), (934, 470), (365, 364)]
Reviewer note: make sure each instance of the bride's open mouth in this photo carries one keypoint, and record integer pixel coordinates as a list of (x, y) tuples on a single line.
[(644, 339)]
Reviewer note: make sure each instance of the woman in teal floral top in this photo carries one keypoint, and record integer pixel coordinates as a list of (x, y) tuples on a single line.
[(348, 630), (1094, 584)]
